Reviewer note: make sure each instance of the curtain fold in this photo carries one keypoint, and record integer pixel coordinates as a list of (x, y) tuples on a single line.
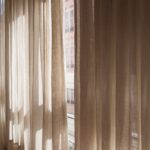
[(35, 99), (112, 74), (2, 77)]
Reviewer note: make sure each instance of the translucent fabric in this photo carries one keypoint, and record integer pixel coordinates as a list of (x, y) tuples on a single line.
[(35, 99), (112, 75)]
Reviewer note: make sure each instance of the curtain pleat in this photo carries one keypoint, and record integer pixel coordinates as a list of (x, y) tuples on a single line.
[(2, 77), (112, 74), (35, 99), (59, 127), (87, 58)]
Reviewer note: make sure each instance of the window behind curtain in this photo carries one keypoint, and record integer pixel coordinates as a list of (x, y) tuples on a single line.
[(69, 66)]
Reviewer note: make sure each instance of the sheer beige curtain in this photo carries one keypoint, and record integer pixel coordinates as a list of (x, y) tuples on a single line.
[(36, 107), (112, 74), (2, 77)]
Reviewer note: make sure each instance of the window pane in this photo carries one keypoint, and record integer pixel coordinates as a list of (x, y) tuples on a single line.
[(69, 66)]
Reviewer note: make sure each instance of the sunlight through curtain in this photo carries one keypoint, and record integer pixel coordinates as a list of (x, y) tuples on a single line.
[(112, 75), (36, 108)]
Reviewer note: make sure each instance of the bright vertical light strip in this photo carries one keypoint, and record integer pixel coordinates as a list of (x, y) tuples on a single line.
[(49, 53), (26, 141), (10, 85), (10, 130), (20, 71), (68, 36), (49, 144), (38, 140), (40, 58)]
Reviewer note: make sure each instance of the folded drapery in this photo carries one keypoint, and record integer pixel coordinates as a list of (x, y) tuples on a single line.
[(35, 101), (112, 74), (112, 79)]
